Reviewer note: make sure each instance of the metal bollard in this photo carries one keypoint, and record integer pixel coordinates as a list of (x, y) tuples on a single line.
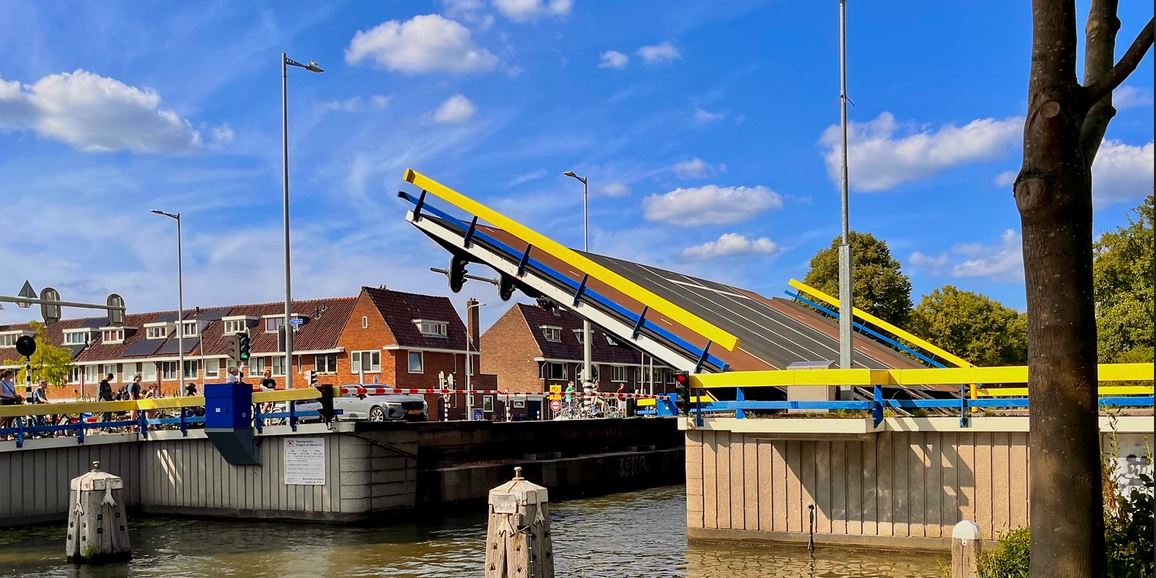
[(97, 522), (965, 548), (518, 542)]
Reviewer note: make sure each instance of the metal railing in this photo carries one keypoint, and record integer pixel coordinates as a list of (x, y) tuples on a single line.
[(28, 420)]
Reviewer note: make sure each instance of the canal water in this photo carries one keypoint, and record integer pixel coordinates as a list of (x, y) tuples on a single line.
[(639, 534)]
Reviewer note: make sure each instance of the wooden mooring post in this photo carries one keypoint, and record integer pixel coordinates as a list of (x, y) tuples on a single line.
[(965, 548), (518, 542)]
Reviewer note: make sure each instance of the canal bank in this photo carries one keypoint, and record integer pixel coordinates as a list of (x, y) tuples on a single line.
[(634, 534), (357, 472)]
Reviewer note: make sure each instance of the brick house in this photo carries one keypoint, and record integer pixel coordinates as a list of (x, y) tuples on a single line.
[(529, 349), (385, 336)]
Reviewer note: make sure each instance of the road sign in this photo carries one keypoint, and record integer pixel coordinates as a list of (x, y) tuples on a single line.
[(556, 405), (555, 388), (296, 321), (116, 310), (26, 292), (49, 311)]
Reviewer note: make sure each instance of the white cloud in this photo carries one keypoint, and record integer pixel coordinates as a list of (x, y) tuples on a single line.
[(703, 115), (614, 190), (471, 12), (94, 113), (1002, 261), (525, 10), (924, 261), (660, 53), (426, 43), (526, 177), (456, 108), (1006, 178), (882, 156), (1129, 96), (613, 59), (358, 104), (710, 205), (730, 244), (1122, 172), (223, 134), (696, 168)]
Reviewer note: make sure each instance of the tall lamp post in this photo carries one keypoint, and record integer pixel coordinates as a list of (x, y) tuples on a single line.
[(846, 307), (286, 62), (587, 375), (180, 303), (470, 362)]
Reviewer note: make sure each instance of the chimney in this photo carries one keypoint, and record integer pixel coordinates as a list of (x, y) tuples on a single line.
[(472, 324)]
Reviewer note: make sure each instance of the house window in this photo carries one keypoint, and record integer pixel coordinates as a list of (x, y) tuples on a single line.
[(190, 328), (415, 362), (76, 338), (168, 370), (157, 332), (9, 339), (212, 368), (235, 326), (112, 336), (256, 366), (365, 322), (75, 373), (191, 369), (90, 374), (129, 370), (148, 372), (106, 369), (552, 333), (273, 323), (432, 328), (487, 403), (367, 361), (278, 366), (325, 364), (618, 373), (553, 370), (578, 335)]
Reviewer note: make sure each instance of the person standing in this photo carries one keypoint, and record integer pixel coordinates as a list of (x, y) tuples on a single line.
[(233, 376), (104, 393), (8, 396), (267, 381)]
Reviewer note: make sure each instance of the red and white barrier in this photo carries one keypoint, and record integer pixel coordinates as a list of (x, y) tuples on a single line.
[(386, 390)]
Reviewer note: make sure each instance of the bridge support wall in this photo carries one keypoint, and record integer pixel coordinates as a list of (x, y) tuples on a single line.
[(903, 485)]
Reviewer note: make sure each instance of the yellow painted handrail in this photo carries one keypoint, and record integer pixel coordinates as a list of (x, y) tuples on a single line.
[(890, 328), (573, 258), (1108, 372), (1104, 390)]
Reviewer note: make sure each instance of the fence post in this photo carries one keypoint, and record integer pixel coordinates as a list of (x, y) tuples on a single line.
[(258, 422), (965, 548), (964, 419), (20, 432), (739, 398)]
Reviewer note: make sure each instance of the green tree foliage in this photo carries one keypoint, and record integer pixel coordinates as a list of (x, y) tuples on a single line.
[(50, 362), (973, 326), (878, 287), (1123, 287)]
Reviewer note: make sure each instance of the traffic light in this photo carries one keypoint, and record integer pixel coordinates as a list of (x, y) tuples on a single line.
[(682, 390), (312, 378), (326, 410), (243, 348), (457, 273)]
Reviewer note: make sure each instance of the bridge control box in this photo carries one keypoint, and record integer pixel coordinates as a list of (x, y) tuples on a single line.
[(229, 422)]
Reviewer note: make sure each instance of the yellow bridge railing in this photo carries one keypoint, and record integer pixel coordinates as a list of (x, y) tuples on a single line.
[(71, 408)]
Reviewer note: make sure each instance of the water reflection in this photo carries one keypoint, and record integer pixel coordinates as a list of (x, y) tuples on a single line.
[(624, 535)]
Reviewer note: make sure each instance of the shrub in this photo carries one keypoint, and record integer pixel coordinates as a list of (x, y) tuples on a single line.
[(1010, 557)]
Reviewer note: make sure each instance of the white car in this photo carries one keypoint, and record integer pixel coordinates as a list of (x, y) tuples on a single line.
[(384, 407)]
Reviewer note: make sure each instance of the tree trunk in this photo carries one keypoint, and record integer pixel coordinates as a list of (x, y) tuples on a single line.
[(1064, 127)]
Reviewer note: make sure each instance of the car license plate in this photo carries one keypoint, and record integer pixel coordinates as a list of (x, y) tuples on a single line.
[(414, 412)]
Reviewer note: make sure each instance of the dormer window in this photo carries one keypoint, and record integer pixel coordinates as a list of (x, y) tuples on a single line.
[(156, 331), (190, 328), (112, 335), (272, 324), (432, 328), (8, 338), (76, 337), (235, 326), (552, 333)]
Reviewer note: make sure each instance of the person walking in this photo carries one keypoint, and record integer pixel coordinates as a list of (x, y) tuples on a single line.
[(8, 396), (104, 393)]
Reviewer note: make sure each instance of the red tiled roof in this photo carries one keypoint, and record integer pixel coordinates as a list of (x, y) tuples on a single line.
[(401, 309), (570, 348)]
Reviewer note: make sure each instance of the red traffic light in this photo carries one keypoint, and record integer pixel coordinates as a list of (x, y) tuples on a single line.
[(682, 378)]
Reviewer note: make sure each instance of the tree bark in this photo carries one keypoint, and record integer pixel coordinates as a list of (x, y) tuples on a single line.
[(1053, 192)]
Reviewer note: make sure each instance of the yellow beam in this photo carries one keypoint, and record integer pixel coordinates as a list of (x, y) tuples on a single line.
[(1104, 390), (890, 328), (541, 242), (1108, 372), (144, 404), (286, 395)]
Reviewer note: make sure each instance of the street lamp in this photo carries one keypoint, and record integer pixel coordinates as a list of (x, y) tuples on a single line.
[(180, 303), (470, 362), (286, 62), (587, 374)]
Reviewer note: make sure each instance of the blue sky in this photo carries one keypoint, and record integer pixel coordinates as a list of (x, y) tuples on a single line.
[(705, 129)]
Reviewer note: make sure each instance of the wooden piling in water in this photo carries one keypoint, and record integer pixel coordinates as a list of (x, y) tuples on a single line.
[(518, 541)]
